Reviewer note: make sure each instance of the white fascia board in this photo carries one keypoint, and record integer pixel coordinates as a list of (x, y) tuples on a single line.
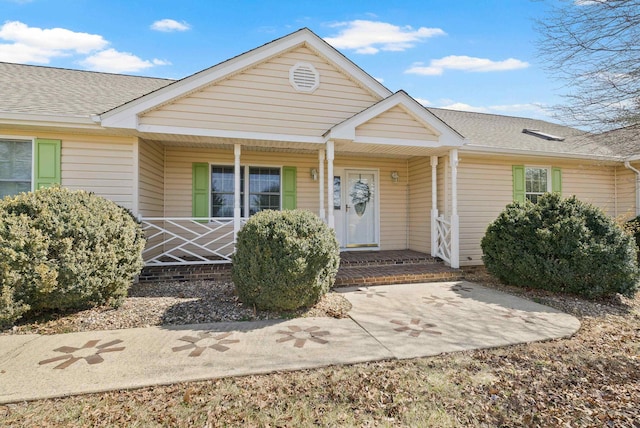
[(347, 65), (203, 132), (346, 129), (632, 158), (501, 151), (46, 120), (123, 116)]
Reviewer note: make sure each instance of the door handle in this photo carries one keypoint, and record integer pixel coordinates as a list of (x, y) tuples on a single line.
[(347, 207)]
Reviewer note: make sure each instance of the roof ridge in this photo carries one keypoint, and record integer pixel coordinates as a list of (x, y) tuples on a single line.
[(498, 115), (84, 71)]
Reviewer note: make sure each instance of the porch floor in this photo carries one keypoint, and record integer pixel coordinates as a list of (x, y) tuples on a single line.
[(364, 268), (357, 268)]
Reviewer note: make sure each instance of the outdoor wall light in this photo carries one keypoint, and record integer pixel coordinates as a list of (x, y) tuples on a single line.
[(314, 174), (395, 176)]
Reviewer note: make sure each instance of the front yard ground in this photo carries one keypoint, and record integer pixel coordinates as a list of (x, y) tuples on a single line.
[(591, 379)]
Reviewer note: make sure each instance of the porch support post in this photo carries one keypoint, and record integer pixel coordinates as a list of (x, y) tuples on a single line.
[(321, 178), (330, 155), (455, 221), (434, 206), (236, 191)]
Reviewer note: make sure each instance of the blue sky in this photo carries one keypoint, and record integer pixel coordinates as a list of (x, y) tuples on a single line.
[(464, 54)]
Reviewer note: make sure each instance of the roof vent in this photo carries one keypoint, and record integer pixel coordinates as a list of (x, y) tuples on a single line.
[(304, 77), (541, 134)]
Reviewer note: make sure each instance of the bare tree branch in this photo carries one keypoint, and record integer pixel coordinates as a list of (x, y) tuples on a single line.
[(594, 47)]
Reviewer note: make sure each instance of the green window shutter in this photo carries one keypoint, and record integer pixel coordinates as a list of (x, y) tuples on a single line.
[(556, 180), (46, 163), (289, 188), (200, 190), (518, 183)]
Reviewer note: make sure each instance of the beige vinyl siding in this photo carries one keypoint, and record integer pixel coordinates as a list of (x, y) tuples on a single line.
[(590, 183), (443, 177), (398, 124), (485, 188), (420, 204), (261, 99), (626, 191), (151, 179), (103, 165)]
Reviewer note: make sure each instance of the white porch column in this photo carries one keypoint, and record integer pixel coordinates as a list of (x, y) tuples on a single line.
[(321, 178), (455, 220), (434, 205), (236, 191), (330, 155)]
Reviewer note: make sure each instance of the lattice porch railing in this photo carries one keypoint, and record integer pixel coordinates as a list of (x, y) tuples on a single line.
[(188, 240), (443, 239)]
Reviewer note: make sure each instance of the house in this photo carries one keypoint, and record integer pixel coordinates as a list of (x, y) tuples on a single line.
[(292, 124)]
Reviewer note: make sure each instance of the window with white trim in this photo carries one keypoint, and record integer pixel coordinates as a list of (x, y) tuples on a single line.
[(15, 167), (260, 189), (537, 182)]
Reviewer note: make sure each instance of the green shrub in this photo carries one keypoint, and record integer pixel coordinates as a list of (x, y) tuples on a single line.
[(284, 260), (561, 245), (62, 249), (633, 227)]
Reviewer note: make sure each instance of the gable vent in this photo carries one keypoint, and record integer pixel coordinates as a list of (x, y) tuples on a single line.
[(304, 77)]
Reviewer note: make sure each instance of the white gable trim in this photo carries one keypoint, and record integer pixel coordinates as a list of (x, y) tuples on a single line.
[(204, 132), (125, 116), (346, 130)]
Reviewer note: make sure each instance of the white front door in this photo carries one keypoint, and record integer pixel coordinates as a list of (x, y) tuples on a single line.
[(360, 193)]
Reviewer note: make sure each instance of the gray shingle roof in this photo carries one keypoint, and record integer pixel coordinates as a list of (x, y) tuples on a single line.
[(505, 133), (624, 141), (58, 91)]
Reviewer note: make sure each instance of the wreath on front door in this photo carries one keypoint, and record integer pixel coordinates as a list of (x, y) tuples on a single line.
[(360, 196)]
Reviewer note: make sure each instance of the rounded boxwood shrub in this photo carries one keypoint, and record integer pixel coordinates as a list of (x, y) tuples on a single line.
[(561, 245), (63, 249), (284, 260)]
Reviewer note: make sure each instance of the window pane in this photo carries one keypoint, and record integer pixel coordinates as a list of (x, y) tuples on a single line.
[(223, 189), (15, 167), (336, 193), (536, 180), (264, 189)]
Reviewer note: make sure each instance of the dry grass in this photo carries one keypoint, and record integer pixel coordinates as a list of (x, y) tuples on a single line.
[(592, 379)]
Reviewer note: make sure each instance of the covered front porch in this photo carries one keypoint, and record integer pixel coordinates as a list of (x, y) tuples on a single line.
[(184, 187)]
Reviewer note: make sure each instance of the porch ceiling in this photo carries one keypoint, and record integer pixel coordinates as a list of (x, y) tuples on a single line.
[(341, 148)]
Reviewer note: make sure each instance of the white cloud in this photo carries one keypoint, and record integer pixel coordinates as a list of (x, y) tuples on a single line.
[(33, 44), (588, 2), (465, 63), (113, 61), (465, 107), (39, 46), (370, 37), (169, 25), (379, 79), (423, 101)]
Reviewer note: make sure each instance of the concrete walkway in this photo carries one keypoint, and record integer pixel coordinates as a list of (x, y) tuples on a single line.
[(386, 322)]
